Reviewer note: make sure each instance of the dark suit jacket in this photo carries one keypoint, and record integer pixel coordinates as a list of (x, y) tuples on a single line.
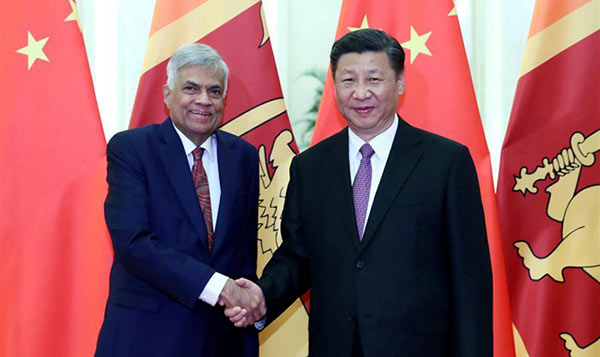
[(162, 262), (419, 283)]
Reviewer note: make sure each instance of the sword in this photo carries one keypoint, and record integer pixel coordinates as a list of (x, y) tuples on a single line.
[(581, 153)]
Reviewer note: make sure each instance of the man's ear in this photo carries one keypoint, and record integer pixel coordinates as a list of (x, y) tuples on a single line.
[(335, 95), (400, 83), (166, 93)]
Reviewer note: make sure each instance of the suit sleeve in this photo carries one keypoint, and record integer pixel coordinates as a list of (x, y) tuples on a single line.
[(251, 220), (286, 276), (471, 276), (178, 275)]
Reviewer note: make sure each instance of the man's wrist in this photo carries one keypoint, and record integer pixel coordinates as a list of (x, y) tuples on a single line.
[(212, 289)]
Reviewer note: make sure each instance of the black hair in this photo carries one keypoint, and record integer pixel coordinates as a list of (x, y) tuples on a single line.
[(368, 40)]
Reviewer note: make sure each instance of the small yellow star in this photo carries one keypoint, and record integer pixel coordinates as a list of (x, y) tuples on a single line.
[(34, 50), (74, 15), (416, 45), (363, 25)]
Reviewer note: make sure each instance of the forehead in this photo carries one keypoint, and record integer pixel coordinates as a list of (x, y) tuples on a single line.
[(366, 61), (201, 75)]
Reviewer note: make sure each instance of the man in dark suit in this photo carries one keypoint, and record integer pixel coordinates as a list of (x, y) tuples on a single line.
[(384, 222), (182, 211)]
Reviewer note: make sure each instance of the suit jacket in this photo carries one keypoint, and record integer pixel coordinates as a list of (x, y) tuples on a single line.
[(418, 284), (161, 261)]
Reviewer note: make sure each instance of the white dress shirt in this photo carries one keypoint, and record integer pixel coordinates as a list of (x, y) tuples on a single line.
[(382, 144), (212, 290)]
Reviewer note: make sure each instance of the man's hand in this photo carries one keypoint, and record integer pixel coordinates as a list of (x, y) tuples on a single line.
[(244, 302)]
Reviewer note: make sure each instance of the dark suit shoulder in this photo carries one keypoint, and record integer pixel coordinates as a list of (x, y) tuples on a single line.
[(313, 152), (135, 134), (433, 141), (235, 142), (431, 137)]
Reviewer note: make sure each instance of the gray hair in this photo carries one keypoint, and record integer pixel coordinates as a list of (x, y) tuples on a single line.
[(194, 54)]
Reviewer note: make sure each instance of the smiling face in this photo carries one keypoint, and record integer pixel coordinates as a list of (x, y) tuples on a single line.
[(196, 102), (367, 91)]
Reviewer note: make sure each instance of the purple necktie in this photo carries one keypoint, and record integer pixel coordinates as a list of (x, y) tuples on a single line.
[(203, 193), (361, 188)]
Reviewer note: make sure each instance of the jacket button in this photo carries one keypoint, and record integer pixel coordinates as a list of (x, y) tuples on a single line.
[(360, 264), (350, 318)]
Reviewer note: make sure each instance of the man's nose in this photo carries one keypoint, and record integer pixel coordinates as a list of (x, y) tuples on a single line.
[(203, 98), (361, 91)]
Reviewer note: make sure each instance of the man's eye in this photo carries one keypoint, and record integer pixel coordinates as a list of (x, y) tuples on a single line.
[(347, 80), (189, 89), (375, 79), (216, 92)]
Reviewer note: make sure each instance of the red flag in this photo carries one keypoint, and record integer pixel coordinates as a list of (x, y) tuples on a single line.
[(549, 184), (55, 251), (254, 110), (439, 97)]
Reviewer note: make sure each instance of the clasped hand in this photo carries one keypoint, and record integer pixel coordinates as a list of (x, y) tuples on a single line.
[(244, 302)]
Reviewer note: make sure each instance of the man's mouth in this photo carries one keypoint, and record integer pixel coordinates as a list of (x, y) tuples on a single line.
[(363, 110), (201, 113)]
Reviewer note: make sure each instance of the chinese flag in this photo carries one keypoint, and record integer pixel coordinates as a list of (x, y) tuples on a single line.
[(254, 110), (55, 251), (439, 97), (549, 185)]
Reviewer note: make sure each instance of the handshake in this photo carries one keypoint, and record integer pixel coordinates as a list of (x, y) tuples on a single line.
[(244, 302)]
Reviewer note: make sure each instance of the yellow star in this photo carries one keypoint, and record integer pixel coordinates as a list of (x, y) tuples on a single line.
[(416, 45), (74, 15), (364, 25), (34, 50)]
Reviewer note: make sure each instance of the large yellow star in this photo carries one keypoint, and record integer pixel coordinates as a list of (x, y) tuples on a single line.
[(416, 45), (363, 25), (34, 50), (74, 15)]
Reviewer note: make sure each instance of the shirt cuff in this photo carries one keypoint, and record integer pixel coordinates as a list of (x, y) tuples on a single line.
[(213, 288), (260, 324)]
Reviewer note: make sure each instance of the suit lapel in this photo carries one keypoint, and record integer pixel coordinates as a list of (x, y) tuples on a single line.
[(178, 170), (404, 156), (227, 173), (336, 167)]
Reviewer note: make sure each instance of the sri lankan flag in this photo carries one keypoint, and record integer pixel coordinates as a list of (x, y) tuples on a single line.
[(439, 97), (254, 110), (549, 185)]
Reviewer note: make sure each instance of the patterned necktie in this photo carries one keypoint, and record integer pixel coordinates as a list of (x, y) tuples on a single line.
[(203, 193), (362, 187)]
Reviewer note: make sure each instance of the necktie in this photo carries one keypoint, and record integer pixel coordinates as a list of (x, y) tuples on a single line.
[(202, 191), (362, 187)]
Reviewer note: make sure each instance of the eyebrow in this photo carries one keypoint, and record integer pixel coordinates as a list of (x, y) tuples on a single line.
[(374, 70), (190, 82)]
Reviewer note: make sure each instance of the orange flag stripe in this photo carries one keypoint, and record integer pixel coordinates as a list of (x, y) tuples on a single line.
[(548, 12), (165, 12), (561, 35), (191, 27)]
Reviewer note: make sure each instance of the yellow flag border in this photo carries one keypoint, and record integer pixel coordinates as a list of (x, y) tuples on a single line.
[(561, 35), (191, 27), (255, 117)]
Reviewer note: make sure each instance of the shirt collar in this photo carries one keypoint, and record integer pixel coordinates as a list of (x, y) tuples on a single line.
[(382, 143), (209, 145)]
